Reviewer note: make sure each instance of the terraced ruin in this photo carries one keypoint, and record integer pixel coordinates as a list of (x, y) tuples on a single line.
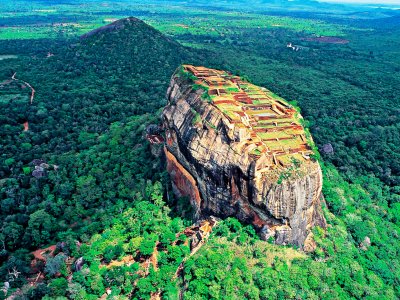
[(268, 126)]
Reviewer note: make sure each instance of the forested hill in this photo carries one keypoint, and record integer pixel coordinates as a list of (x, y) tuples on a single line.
[(95, 81), (82, 87)]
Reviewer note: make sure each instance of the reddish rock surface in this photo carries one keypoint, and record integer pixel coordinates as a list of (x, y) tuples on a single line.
[(183, 183)]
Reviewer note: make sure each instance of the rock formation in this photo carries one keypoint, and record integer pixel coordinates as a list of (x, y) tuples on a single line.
[(238, 150)]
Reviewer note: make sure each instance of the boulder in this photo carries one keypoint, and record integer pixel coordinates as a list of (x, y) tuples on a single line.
[(327, 148)]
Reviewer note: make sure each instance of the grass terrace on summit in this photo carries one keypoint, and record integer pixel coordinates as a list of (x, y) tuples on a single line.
[(268, 125)]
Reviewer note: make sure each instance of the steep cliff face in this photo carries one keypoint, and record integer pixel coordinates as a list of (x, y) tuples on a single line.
[(236, 149)]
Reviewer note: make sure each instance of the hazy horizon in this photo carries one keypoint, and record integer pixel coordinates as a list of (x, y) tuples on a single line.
[(382, 2)]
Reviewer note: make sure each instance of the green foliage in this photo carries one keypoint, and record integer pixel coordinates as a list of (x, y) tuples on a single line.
[(41, 226), (137, 229), (89, 129), (292, 171), (58, 287), (245, 78), (27, 170), (9, 161), (55, 264), (336, 270), (197, 87), (189, 76), (206, 96), (197, 117), (134, 244), (148, 244), (107, 191)]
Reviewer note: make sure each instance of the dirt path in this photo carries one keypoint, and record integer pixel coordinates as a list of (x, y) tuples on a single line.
[(27, 84), (192, 252), (154, 259), (205, 231), (179, 270), (40, 254), (26, 124)]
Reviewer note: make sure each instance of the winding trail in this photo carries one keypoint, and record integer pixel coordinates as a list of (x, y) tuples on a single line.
[(26, 123), (192, 252), (27, 84), (205, 230)]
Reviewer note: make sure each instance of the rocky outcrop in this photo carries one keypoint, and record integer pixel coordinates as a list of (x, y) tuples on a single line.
[(238, 150)]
